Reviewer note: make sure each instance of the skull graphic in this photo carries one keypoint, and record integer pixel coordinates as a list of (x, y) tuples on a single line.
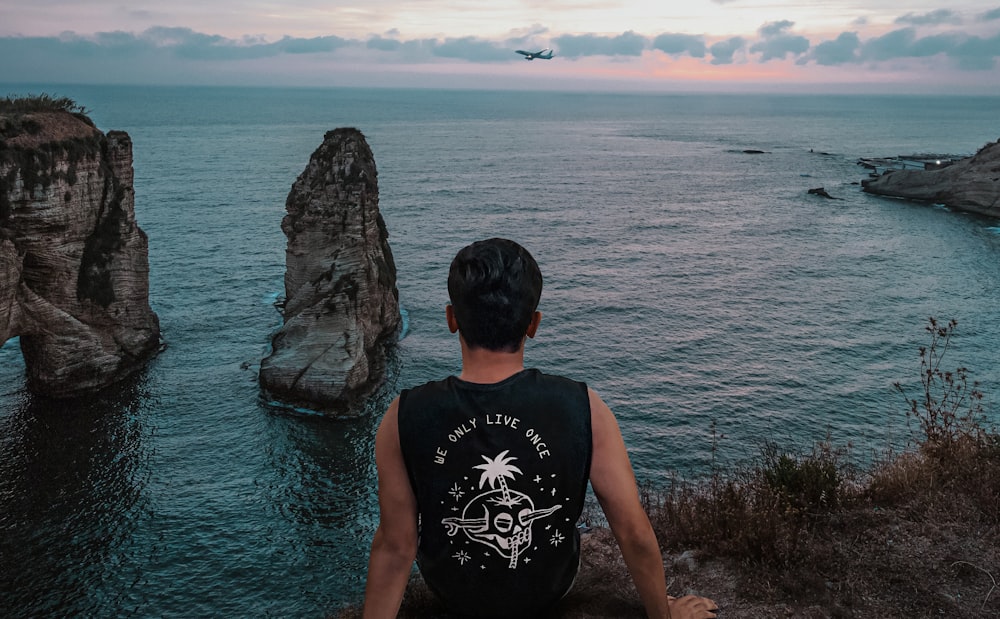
[(499, 518)]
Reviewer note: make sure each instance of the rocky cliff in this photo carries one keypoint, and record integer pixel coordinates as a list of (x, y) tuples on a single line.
[(73, 261), (341, 304), (971, 184)]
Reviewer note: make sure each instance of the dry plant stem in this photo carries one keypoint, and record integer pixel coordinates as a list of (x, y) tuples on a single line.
[(992, 589)]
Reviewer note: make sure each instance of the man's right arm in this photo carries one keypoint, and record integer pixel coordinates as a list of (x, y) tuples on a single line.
[(394, 546)]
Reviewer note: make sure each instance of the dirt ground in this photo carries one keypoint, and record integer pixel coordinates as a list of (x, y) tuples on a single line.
[(895, 565)]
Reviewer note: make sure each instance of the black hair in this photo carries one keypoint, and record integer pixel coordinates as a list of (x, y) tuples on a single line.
[(494, 286)]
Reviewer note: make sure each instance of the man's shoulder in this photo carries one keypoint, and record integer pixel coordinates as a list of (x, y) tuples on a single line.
[(431, 385), (432, 390), (558, 378), (530, 376)]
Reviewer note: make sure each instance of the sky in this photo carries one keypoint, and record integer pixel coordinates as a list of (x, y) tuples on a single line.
[(877, 46)]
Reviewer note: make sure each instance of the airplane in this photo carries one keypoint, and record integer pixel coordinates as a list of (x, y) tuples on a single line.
[(545, 54)]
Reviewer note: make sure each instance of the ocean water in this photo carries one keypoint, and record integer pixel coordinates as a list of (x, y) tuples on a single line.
[(712, 302)]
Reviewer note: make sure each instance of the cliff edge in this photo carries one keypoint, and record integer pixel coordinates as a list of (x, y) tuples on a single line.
[(74, 271), (971, 184), (341, 305)]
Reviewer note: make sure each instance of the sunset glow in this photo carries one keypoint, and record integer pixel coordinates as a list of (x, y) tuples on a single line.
[(929, 46)]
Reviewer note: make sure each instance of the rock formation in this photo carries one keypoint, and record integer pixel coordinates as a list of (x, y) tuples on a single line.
[(341, 305), (823, 193), (74, 275), (971, 184)]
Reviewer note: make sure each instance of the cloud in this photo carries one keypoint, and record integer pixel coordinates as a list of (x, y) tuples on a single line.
[(523, 35), (934, 45), (625, 44), (384, 44), (163, 36), (777, 43), (723, 51), (183, 55), (967, 52), (977, 54), (904, 43), (934, 18), (186, 43), (411, 50), (316, 45), (160, 41), (677, 44), (775, 28), (894, 44), (472, 49), (842, 50)]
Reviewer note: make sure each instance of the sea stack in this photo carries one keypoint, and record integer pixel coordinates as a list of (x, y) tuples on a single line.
[(341, 308), (971, 184), (74, 271)]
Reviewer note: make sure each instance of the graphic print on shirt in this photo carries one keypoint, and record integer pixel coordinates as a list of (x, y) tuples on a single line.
[(500, 518)]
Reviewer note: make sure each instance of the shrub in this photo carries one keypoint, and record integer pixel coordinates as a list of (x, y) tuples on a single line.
[(948, 410), (809, 482)]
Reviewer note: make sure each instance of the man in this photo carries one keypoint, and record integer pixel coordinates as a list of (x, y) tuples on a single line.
[(482, 477)]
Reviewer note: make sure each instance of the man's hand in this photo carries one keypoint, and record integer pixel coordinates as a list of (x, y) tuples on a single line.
[(691, 606)]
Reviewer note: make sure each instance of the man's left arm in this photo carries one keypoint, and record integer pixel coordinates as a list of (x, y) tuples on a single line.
[(614, 485), (394, 546)]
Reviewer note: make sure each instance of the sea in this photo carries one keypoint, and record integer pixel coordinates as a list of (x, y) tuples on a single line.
[(690, 279)]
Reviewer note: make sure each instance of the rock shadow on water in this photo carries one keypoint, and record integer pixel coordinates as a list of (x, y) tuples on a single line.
[(73, 475)]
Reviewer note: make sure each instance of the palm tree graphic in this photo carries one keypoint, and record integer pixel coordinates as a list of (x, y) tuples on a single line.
[(497, 470)]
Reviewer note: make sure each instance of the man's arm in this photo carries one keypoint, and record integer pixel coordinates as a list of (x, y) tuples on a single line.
[(614, 484), (395, 543)]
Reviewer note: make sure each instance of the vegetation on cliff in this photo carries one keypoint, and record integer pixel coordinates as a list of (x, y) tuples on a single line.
[(917, 534), (15, 112), (37, 132)]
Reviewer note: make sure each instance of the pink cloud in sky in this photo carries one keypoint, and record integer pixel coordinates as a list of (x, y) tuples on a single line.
[(937, 50)]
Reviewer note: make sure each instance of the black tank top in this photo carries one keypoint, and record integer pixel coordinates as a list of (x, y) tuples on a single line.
[(500, 473)]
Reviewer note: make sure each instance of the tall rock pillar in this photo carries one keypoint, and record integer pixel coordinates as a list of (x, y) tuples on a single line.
[(341, 306), (74, 272)]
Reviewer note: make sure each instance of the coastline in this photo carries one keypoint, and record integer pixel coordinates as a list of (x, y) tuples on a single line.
[(971, 184)]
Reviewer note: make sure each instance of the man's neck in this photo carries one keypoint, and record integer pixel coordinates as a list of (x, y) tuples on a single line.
[(480, 365)]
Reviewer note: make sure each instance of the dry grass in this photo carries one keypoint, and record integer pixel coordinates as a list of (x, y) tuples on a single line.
[(919, 536)]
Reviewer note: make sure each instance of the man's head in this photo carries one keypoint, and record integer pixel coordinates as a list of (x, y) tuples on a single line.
[(494, 286)]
